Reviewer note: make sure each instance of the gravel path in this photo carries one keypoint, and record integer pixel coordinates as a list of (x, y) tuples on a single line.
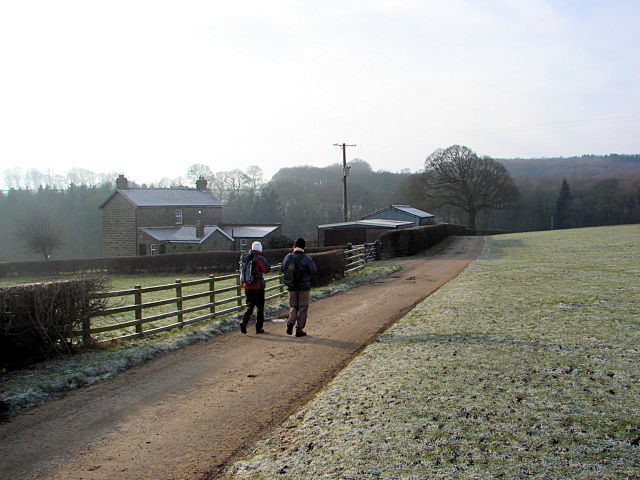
[(186, 415)]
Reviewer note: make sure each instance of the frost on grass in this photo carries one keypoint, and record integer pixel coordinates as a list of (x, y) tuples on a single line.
[(28, 388), (525, 366)]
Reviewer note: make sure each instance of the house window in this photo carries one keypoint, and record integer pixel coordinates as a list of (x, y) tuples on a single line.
[(243, 244), (143, 249), (178, 217), (154, 249)]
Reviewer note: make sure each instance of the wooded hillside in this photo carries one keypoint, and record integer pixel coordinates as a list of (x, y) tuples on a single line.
[(603, 190)]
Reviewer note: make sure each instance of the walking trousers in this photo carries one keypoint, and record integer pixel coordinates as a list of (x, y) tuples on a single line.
[(255, 298), (299, 305)]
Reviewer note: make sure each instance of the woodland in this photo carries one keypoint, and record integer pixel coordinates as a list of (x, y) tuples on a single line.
[(583, 191)]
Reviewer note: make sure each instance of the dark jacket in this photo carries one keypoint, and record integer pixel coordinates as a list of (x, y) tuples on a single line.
[(306, 266), (261, 266)]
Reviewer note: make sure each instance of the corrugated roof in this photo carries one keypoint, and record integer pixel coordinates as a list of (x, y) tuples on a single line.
[(170, 197), (405, 208), (248, 231), (412, 211), (373, 222)]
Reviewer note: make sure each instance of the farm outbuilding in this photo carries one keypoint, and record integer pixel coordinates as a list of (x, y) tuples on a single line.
[(358, 232), (403, 213)]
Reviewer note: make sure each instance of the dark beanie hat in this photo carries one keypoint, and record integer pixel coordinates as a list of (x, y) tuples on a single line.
[(300, 243)]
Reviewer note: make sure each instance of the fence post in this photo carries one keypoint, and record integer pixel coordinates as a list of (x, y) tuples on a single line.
[(239, 290), (86, 330), (281, 280), (138, 303), (212, 295), (179, 302)]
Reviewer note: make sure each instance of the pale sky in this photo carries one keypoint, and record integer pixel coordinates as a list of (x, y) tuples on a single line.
[(148, 88)]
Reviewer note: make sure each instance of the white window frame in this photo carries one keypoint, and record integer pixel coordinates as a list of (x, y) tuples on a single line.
[(153, 249), (243, 244), (179, 217)]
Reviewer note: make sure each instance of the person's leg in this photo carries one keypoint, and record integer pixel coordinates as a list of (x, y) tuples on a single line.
[(293, 311), (303, 307), (259, 299), (249, 294)]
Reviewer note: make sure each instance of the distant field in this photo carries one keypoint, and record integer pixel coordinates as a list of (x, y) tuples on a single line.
[(525, 366)]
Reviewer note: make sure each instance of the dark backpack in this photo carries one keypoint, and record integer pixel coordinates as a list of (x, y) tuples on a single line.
[(247, 270), (291, 275)]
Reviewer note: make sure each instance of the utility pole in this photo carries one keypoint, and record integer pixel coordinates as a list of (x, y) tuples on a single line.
[(345, 172)]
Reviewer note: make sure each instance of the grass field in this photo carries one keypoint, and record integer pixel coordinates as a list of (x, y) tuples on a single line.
[(525, 366)]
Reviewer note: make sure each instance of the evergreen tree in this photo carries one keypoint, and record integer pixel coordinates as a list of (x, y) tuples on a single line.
[(562, 206)]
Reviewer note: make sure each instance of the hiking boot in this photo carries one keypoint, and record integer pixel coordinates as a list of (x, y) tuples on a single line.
[(301, 333), (243, 327), (260, 331), (289, 329)]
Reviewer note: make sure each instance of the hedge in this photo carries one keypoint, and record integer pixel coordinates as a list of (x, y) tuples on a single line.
[(189, 262), (414, 240), (330, 266), (37, 320)]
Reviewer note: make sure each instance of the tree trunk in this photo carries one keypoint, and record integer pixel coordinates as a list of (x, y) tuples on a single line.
[(471, 224)]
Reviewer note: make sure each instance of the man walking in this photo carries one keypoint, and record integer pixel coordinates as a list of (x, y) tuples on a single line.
[(302, 268), (254, 291)]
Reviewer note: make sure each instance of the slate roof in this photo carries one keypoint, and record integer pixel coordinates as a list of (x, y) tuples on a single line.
[(371, 223), (184, 234), (187, 233), (167, 197), (248, 231)]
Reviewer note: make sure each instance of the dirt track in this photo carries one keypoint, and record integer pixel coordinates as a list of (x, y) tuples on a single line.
[(187, 414)]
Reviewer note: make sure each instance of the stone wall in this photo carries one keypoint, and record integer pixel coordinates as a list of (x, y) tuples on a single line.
[(119, 227)]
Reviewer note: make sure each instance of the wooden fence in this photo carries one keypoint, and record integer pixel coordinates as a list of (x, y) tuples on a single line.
[(217, 301)]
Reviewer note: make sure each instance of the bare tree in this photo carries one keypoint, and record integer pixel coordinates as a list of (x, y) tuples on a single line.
[(13, 177), (82, 176), (41, 234), (229, 184), (256, 177), (457, 177), (198, 170)]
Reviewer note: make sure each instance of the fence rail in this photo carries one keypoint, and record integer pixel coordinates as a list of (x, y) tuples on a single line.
[(356, 259)]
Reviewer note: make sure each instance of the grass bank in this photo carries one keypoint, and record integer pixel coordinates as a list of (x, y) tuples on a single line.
[(29, 387), (525, 366)]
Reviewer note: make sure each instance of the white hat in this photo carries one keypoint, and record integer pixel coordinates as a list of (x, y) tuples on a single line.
[(257, 246)]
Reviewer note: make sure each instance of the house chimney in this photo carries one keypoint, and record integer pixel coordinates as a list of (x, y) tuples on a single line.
[(201, 184), (122, 183), (199, 229)]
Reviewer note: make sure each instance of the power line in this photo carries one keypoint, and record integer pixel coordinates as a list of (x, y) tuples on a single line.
[(516, 128)]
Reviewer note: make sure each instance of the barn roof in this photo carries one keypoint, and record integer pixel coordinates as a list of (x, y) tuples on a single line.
[(369, 223), (404, 208)]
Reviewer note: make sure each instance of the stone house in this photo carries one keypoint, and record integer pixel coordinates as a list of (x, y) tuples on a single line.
[(150, 221)]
